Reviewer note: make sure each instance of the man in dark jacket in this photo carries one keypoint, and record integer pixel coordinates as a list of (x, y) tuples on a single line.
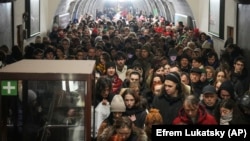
[(196, 84), (240, 75), (210, 100), (171, 99)]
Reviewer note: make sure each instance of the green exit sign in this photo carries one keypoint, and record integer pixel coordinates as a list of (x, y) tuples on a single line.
[(9, 88)]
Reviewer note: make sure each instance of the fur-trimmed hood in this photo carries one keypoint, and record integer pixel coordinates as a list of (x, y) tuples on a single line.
[(137, 134)]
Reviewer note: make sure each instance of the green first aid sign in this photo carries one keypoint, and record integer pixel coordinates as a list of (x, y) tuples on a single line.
[(9, 88)]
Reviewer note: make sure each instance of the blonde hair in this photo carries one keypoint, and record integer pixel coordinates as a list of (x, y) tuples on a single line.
[(128, 72)]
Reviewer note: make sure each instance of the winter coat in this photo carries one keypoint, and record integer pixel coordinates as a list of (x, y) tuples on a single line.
[(137, 134), (168, 106), (116, 84), (204, 118), (140, 115)]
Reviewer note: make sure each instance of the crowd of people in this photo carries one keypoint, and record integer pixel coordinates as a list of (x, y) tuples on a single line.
[(150, 72)]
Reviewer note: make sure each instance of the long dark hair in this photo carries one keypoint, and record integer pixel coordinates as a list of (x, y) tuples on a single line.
[(102, 83)]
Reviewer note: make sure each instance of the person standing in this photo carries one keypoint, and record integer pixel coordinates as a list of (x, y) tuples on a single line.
[(134, 108), (171, 99), (193, 113), (121, 67), (117, 109), (210, 100), (124, 128)]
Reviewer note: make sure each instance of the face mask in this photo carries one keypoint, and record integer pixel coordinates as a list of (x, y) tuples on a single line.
[(130, 56), (173, 58)]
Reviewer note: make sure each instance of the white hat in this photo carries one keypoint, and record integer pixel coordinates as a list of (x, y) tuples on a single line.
[(117, 104)]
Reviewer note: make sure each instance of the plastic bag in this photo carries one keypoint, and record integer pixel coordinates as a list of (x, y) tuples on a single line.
[(101, 113)]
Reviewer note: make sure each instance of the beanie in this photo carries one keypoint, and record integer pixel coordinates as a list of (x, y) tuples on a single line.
[(117, 104), (172, 52), (98, 38), (173, 76), (95, 31), (227, 86)]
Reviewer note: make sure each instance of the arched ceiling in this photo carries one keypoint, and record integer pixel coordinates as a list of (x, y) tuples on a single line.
[(165, 8)]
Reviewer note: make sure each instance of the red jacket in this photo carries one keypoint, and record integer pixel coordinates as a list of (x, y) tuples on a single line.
[(204, 118), (116, 84)]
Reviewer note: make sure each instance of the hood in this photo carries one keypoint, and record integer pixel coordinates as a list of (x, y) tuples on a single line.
[(201, 115)]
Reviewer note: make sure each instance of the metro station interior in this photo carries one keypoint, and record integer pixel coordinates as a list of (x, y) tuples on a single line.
[(68, 91)]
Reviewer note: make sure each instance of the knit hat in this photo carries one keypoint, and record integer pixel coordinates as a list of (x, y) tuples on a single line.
[(98, 38), (173, 76), (117, 104), (227, 86), (95, 31), (172, 52), (130, 50), (110, 64)]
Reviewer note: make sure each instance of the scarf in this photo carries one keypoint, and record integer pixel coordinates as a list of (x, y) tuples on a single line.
[(101, 68), (224, 120)]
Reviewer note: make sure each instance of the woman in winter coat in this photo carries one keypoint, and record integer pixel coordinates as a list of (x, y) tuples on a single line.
[(125, 129)]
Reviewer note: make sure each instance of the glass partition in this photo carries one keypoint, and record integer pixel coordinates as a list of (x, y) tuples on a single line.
[(48, 111), (45, 100)]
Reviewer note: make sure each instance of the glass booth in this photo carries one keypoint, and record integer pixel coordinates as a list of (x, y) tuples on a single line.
[(47, 100)]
